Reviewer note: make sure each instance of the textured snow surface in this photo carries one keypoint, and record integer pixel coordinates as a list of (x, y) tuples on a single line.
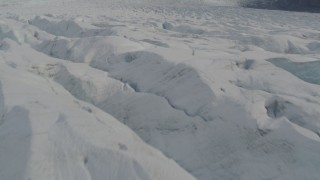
[(48, 134), (219, 92)]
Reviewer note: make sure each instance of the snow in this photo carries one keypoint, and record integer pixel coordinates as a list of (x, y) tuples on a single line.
[(157, 90), (46, 133)]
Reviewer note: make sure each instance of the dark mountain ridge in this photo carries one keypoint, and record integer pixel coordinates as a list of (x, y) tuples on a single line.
[(290, 5)]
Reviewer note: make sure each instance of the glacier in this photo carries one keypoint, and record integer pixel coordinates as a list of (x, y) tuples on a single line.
[(93, 89)]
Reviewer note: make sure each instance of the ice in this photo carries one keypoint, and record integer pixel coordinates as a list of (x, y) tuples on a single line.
[(307, 71), (68, 28), (157, 90), (45, 128), (145, 71)]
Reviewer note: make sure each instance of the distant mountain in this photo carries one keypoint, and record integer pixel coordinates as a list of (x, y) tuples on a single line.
[(300, 5)]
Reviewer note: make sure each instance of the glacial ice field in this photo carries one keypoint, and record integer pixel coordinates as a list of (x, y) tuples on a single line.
[(158, 90)]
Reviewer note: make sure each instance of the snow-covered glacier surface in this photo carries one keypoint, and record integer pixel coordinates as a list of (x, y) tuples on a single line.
[(155, 90)]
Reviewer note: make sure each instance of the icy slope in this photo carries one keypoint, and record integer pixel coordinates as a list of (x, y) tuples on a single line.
[(47, 134), (198, 85)]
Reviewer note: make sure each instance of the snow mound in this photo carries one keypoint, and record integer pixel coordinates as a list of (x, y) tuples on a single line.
[(280, 44), (68, 28), (277, 108), (7, 32), (183, 28), (145, 71), (86, 49), (44, 127)]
